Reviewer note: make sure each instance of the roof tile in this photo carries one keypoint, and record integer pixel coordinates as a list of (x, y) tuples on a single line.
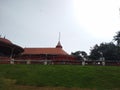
[(52, 51)]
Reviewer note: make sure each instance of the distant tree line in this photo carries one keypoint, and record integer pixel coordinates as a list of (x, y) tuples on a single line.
[(110, 50)]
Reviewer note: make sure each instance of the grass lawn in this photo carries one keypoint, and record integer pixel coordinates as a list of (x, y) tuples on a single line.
[(68, 77)]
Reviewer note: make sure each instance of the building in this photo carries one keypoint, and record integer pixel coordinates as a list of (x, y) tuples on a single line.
[(54, 55), (15, 54)]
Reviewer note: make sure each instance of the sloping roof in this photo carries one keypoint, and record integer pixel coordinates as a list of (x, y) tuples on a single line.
[(7, 47), (52, 51), (5, 40)]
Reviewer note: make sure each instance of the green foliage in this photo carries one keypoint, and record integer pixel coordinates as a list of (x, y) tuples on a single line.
[(117, 38), (109, 50), (61, 76), (80, 54), (94, 54)]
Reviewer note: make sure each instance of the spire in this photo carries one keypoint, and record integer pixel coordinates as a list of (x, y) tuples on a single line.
[(59, 44), (119, 10), (59, 37)]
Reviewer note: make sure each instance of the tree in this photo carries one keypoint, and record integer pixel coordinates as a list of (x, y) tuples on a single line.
[(80, 55), (94, 53), (117, 38), (109, 51)]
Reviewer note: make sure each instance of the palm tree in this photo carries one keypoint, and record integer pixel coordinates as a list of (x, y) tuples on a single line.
[(117, 38)]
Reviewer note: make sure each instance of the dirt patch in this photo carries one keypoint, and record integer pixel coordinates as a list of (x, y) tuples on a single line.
[(19, 87), (10, 85)]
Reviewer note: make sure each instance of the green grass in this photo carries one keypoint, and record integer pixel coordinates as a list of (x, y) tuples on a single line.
[(92, 77)]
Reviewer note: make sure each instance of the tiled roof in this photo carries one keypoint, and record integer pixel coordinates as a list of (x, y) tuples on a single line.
[(52, 51)]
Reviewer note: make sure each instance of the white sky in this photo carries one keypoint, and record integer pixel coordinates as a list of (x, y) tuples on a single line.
[(37, 23)]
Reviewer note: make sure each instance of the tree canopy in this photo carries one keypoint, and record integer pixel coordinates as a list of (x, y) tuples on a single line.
[(117, 38), (80, 55), (110, 51)]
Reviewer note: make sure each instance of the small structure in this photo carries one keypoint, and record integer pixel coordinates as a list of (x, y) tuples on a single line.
[(8, 50)]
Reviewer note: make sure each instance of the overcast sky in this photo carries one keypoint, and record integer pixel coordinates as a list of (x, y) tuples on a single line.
[(37, 23)]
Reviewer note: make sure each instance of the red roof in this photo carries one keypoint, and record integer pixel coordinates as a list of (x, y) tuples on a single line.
[(5, 40), (6, 46), (52, 51)]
